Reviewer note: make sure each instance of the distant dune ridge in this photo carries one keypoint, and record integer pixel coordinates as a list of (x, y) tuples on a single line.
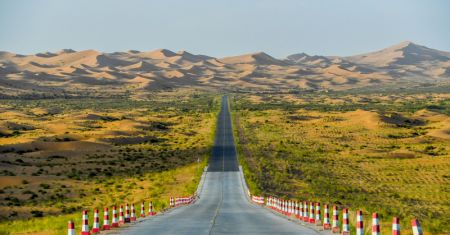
[(90, 72)]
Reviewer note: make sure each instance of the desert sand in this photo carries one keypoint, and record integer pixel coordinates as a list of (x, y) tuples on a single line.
[(91, 73)]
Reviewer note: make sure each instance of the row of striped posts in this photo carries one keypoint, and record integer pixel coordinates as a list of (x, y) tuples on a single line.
[(310, 212), (123, 217), (118, 218)]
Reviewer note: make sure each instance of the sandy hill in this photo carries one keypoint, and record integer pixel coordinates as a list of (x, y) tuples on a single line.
[(405, 53), (408, 59), (159, 54), (303, 58), (260, 58), (93, 73)]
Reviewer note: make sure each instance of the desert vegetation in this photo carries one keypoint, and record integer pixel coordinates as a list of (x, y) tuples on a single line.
[(387, 153), (59, 156)]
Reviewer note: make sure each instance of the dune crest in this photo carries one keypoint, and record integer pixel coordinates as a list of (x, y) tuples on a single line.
[(69, 71)]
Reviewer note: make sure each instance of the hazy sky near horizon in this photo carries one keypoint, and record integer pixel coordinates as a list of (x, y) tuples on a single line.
[(222, 28)]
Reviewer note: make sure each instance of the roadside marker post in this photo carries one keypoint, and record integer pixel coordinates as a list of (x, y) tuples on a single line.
[(297, 210), (150, 209), (395, 226), (359, 223), (121, 216), (375, 224), (335, 226), (106, 225), (300, 217), (115, 221), (143, 209), (311, 213), (318, 214), (96, 225), (345, 224), (85, 226), (70, 228), (133, 213), (305, 215), (326, 218), (416, 227), (127, 214)]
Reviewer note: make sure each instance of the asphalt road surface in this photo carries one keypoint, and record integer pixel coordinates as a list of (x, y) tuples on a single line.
[(223, 207)]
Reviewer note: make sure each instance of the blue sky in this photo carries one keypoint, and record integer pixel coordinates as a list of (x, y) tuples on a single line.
[(222, 28)]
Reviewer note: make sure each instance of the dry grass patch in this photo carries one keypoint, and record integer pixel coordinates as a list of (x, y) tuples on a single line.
[(100, 152), (375, 159)]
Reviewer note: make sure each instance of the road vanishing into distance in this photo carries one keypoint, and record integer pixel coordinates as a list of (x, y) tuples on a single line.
[(223, 207)]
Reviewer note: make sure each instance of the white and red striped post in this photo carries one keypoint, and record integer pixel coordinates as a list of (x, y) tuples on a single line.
[(171, 203), (85, 226), (359, 223), (395, 226), (150, 209), (318, 214), (282, 206), (133, 213), (290, 204), (96, 225), (416, 227), (312, 220), (70, 228), (293, 208), (326, 218), (127, 214), (106, 225), (279, 205), (375, 224), (335, 226), (121, 216), (285, 207), (297, 210), (115, 220), (345, 224), (300, 210), (306, 213), (143, 209)]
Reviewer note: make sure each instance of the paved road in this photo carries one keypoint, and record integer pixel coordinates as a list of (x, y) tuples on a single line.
[(222, 207)]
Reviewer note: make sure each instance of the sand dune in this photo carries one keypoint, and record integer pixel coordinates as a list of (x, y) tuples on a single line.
[(159, 54), (113, 73), (140, 66), (260, 58), (405, 53)]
